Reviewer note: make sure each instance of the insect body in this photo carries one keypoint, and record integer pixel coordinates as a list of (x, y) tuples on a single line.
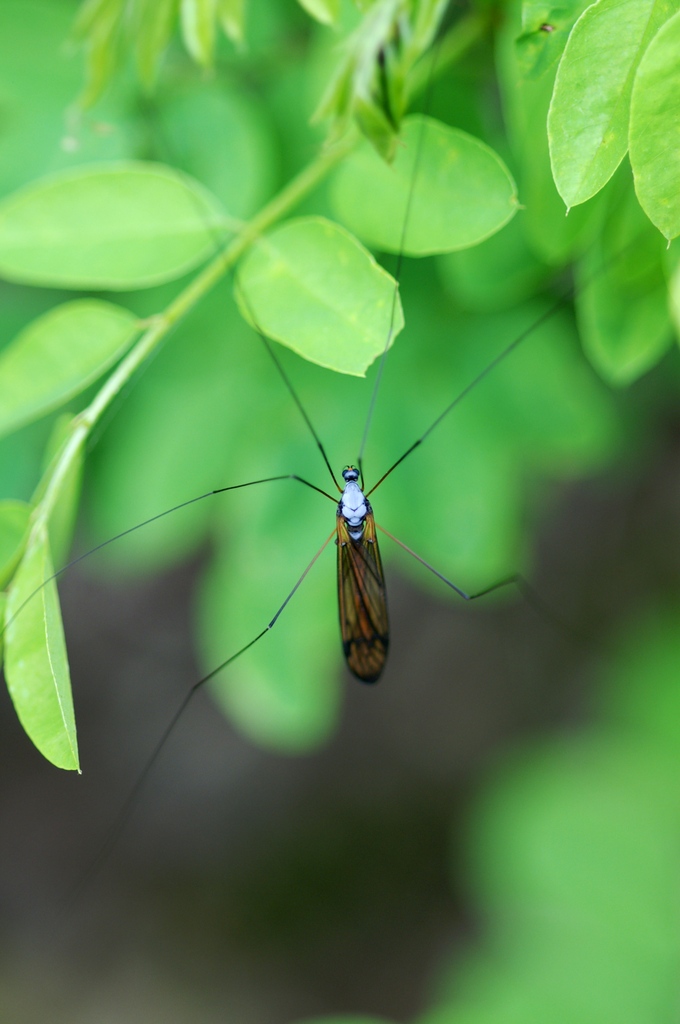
[(361, 585)]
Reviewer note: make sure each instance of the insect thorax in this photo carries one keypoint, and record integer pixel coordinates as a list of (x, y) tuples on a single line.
[(354, 507)]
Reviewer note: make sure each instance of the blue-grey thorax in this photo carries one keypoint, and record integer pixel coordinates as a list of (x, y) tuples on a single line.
[(354, 507)]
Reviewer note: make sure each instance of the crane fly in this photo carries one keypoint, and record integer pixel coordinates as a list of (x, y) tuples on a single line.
[(362, 598)]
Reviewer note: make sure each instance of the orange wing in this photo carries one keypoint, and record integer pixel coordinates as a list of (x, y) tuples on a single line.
[(363, 602)]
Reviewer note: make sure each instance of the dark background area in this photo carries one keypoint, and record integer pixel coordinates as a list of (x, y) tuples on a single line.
[(261, 888)]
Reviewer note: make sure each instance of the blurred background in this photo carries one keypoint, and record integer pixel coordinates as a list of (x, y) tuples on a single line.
[(491, 834)]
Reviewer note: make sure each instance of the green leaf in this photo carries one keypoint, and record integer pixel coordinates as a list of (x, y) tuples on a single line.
[(622, 299), (324, 11), (655, 130), (36, 667), (58, 355), (545, 30), (232, 19), (155, 21), (117, 225), (198, 29), (589, 112), (313, 287), (462, 194), (526, 101), (100, 26), (14, 517)]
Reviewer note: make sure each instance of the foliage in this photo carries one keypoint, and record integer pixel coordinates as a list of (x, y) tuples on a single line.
[(157, 196), (134, 224), (92, 223)]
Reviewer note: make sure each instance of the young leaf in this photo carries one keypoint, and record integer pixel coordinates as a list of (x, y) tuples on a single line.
[(589, 112), (655, 130), (462, 194), (36, 667), (58, 355), (99, 25), (314, 287), (370, 83), (14, 516), (119, 225), (198, 29), (155, 20)]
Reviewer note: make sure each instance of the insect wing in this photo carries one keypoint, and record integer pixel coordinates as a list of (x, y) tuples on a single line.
[(363, 602)]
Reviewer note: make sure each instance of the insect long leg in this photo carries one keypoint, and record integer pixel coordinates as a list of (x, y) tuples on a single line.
[(566, 296), (130, 803), (291, 390), (516, 580), (153, 519)]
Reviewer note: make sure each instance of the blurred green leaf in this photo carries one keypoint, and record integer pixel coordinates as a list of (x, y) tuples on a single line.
[(124, 225), (100, 25), (589, 114), (462, 194), (232, 18), (36, 666), (313, 287), (14, 517), (198, 29), (495, 274), (655, 128), (622, 301), (219, 136), (58, 355), (324, 11), (574, 856), (153, 30)]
